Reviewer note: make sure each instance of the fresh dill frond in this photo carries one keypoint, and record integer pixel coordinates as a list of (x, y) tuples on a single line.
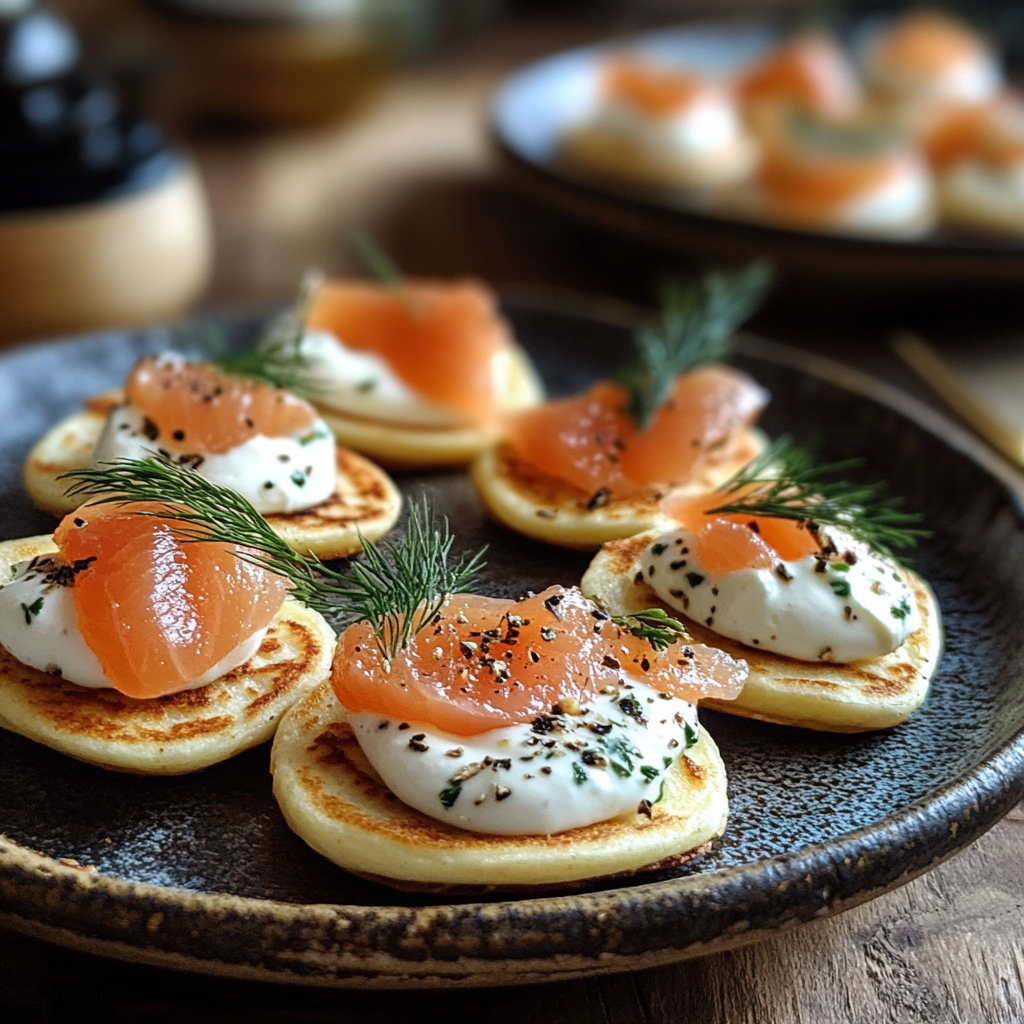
[(698, 319), (376, 259), (276, 355), (397, 587), (784, 483), (655, 626)]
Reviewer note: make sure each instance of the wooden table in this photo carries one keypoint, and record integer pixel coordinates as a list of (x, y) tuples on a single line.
[(418, 171)]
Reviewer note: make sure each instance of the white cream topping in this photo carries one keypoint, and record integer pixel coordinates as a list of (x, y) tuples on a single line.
[(275, 474), (707, 125), (845, 613), (363, 384), (903, 200), (558, 772), (39, 626)]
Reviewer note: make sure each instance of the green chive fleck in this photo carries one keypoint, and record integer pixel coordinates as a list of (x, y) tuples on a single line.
[(694, 579), (450, 795), (579, 774), (649, 772), (32, 609), (841, 588)]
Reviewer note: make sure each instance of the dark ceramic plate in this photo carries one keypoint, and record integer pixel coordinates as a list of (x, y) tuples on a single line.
[(533, 108), (200, 872)]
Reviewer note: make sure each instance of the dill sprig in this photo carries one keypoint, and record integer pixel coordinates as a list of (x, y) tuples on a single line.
[(655, 626), (698, 319), (376, 259), (784, 483), (275, 356), (398, 588)]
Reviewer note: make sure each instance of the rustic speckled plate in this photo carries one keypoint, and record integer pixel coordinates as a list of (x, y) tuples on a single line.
[(534, 107), (201, 873)]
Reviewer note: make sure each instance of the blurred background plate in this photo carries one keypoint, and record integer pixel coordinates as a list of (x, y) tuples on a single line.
[(534, 106), (200, 872)]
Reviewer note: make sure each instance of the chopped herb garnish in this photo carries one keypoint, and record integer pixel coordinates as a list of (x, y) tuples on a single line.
[(658, 549), (298, 478), (649, 772), (901, 610), (689, 735), (449, 795), (31, 610), (312, 435), (366, 386), (838, 566), (841, 588), (624, 766), (698, 319), (579, 773), (695, 579), (666, 761), (655, 626)]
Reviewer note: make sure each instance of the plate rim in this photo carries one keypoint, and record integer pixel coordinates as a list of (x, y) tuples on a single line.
[(598, 199), (344, 945)]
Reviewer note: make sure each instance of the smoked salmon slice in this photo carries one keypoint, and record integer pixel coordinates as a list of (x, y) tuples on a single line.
[(438, 338), (658, 92), (726, 542), (195, 405), (159, 613), (809, 71), (489, 663), (591, 442)]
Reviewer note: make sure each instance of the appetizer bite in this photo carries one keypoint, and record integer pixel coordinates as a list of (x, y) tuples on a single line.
[(795, 574), (465, 741), (977, 153), (671, 128), (925, 56), (579, 471), (810, 71), (124, 645), (849, 177), (235, 423), (413, 373)]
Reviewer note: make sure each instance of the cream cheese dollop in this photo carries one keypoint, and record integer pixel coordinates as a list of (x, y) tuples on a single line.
[(275, 474), (363, 384), (903, 203), (858, 606), (558, 772), (709, 124), (39, 626)]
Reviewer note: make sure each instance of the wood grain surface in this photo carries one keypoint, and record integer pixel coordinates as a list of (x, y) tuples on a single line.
[(946, 947)]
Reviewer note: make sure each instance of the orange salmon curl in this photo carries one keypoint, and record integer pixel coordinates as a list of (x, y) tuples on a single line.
[(810, 70), (159, 613), (439, 338), (488, 663), (196, 406), (657, 91), (727, 542), (591, 442)]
